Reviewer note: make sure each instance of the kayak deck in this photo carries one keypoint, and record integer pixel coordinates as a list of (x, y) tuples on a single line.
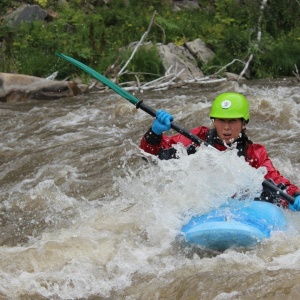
[(234, 224)]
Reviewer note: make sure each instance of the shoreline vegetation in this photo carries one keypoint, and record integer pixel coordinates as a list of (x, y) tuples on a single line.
[(252, 39)]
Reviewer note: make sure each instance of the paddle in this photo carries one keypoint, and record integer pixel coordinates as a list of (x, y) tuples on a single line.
[(130, 98), (152, 112)]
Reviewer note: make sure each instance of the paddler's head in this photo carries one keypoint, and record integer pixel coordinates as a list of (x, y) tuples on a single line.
[(230, 114)]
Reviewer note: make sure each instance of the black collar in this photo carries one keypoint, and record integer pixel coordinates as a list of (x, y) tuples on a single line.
[(241, 142)]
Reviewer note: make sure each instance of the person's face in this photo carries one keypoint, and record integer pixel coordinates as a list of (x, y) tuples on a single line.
[(228, 130)]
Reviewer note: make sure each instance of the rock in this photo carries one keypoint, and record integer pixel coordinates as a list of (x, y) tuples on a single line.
[(181, 59), (28, 13), (199, 50), (178, 57), (19, 88), (185, 4)]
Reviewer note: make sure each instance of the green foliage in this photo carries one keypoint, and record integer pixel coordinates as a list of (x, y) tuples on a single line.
[(279, 59), (146, 62), (94, 32), (4, 5), (42, 3), (282, 16), (234, 44)]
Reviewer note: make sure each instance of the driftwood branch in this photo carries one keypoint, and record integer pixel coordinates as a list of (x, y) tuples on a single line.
[(246, 67), (296, 73), (225, 67), (52, 76)]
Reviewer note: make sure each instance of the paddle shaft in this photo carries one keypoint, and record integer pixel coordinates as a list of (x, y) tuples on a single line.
[(270, 186), (152, 112)]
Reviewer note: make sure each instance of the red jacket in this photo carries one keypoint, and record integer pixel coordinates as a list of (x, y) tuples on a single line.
[(256, 154)]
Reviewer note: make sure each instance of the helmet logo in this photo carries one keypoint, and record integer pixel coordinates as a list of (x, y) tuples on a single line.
[(226, 104)]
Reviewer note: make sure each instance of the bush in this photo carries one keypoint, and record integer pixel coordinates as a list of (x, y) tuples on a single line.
[(146, 64), (4, 5), (280, 60)]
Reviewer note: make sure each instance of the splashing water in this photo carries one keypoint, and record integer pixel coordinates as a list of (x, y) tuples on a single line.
[(83, 216)]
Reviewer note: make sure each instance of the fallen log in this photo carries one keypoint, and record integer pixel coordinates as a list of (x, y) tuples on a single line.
[(20, 88)]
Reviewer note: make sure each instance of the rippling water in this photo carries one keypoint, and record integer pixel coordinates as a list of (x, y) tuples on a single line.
[(84, 217)]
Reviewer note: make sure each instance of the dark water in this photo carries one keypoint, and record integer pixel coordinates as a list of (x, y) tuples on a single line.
[(84, 217)]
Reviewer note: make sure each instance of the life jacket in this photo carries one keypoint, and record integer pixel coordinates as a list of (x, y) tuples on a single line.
[(241, 143), (211, 138)]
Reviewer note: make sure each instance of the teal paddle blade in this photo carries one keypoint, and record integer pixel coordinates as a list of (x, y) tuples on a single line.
[(101, 78)]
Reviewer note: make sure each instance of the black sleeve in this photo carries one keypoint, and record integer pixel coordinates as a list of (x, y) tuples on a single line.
[(191, 149), (165, 154), (171, 152), (152, 138)]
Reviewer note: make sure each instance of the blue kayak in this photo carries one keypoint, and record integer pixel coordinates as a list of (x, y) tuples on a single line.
[(235, 224)]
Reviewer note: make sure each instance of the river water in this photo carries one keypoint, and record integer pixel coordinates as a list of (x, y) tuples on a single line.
[(83, 216)]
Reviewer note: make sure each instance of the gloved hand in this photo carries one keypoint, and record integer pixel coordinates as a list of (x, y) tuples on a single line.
[(296, 205), (162, 122)]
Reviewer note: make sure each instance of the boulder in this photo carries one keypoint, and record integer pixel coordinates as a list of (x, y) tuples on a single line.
[(29, 13), (177, 57), (181, 59), (199, 50), (19, 88)]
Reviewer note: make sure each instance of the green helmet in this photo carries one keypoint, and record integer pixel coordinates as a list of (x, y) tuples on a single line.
[(230, 106)]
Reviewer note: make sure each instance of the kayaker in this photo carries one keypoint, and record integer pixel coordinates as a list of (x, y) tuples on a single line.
[(229, 114)]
